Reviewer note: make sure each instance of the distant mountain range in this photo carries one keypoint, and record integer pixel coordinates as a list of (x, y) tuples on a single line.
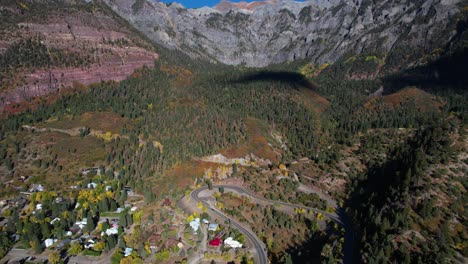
[(49, 44), (265, 32)]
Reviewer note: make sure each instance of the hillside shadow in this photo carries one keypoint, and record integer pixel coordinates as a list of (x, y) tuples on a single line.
[(295, 79), (447, 71)]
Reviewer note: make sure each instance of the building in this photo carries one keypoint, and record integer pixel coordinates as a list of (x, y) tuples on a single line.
[(81, 224), (153, 242), (89, 244), (49, 242), (232, 243), (128, 251), (91, 185), (112, 231), (215, 242), (195, 224), (36, 188), (213, 227)]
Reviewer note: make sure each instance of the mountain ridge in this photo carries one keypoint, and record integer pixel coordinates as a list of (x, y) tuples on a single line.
[(320, 31)]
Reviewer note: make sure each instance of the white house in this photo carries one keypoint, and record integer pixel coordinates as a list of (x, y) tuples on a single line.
[(54, 220), (232, 243), (49, 242), (91, 185), (81, 224), (195, 224), (128, 251), (212, 227), (112, 231), (36, 188)]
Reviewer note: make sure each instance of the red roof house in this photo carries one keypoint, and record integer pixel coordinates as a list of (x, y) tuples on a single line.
[(215, 242)]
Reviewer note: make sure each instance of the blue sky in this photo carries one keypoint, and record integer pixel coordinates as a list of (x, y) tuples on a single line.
[(199, 3), (195, 3)]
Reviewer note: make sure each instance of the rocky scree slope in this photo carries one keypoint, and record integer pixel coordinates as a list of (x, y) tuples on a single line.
[(274, 31)]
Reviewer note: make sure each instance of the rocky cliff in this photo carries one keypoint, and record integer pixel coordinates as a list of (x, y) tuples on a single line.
[(46, 46), (273, 31)]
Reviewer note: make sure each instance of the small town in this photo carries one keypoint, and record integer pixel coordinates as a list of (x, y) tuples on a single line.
[(103, 221)]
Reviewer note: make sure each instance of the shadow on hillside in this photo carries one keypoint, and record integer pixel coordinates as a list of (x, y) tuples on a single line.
[(292, 78), (448, 71)]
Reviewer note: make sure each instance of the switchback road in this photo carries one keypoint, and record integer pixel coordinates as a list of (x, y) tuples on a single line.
[(259, 246)]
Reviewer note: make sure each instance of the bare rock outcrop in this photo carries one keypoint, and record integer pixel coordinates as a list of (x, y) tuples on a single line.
[(84, 43), (265, 32)]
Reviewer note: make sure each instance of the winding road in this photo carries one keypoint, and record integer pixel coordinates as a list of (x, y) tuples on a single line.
[(258, 244)]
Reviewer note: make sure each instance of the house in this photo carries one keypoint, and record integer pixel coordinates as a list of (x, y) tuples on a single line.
[(120, 209), (36, 188), (128, 251), (58, 199), (134, 208), (195, 224), (213, 227), (153, 242), (108, 188), (112, 231), (91, 185), (232, 243), (89, 244), (91, 170), (215, 242), (49, 242), (81, 224), (54, 220), (69, 233), (38, 206)]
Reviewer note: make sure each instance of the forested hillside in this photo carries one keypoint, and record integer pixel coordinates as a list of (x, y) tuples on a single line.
[(192, 109)]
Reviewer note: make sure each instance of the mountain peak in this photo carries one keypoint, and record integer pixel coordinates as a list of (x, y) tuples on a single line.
[(226, 5)]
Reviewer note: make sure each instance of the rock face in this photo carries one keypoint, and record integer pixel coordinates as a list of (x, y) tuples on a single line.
[(273, 31), (43, 82), (103, 47)]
